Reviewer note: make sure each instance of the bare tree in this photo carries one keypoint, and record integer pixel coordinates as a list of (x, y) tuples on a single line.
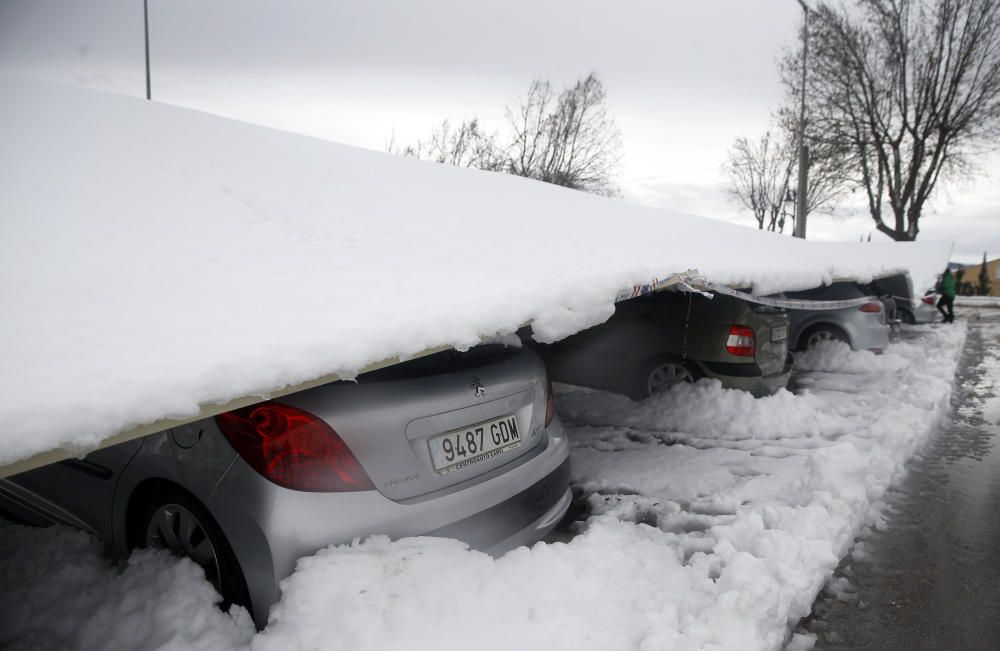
[(529, 124), (909, 88), (465, 146), (827, 163), (566, 139), (758, 178), (762, 175), (575, 143)]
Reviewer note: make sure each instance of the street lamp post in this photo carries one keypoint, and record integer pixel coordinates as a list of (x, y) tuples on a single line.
[(145, 20), (800, 212)]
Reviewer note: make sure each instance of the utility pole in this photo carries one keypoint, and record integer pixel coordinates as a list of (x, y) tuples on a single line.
[(800, 211), (145, 20)]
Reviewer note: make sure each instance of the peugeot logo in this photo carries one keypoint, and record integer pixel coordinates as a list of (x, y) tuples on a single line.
[(480, 389)]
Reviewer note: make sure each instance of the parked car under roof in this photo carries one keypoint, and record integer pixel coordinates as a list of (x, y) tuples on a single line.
[(458, 444), (925, 310), (908, 307), (863, 327), (655, 341)]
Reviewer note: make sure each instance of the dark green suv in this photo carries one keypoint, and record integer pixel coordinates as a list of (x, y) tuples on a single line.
[(658, 340)]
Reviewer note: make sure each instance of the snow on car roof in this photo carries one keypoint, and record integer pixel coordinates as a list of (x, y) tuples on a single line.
[(158, 264)]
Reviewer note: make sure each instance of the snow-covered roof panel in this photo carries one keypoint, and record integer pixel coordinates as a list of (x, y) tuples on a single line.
[(154, 260)]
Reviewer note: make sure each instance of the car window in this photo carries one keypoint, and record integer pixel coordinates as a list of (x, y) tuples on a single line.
[(835, 292)]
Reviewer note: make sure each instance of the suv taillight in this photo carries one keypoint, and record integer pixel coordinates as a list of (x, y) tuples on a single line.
[(872, 307), (293, 448), (741, 341)]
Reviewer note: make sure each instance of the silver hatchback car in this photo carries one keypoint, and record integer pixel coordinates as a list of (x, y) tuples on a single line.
[(864, 327), (458, 444), (924, 311)]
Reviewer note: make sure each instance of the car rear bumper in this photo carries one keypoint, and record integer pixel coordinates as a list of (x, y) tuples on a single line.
[(270, 527), (873, 337), (748, 377), (924, 314), (519, 520)]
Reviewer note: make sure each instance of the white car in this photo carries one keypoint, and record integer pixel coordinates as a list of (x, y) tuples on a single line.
[(924, 312)]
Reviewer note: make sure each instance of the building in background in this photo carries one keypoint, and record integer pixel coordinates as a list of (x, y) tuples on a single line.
[(968, 282)]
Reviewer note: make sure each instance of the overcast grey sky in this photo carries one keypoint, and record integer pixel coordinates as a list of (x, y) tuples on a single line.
[(684, 79)]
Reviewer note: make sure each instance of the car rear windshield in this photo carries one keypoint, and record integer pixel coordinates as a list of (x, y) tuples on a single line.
[(835, 292), (448, 361)]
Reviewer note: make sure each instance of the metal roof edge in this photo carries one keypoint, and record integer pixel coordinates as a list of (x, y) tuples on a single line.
[(207, 411)]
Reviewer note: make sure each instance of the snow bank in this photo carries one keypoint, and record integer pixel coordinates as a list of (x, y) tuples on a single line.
[(721, 539), (715, 519), (977, 301), (60, 593), (154, 260)]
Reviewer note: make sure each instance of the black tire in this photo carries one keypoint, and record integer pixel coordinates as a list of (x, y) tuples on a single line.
[(174, 520), (822, 332), (658, 372), (906, 316)]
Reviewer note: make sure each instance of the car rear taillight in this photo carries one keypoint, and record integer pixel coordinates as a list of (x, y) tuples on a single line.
[(550, 407), (741, 341), (929, 300), (872, 307), (293, 448)]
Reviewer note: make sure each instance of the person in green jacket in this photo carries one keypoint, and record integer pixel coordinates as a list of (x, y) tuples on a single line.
[(947, 300)]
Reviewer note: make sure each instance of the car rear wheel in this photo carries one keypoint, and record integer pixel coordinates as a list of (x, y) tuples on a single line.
[(178, 523), (660, 375), (820, 334), (905, 316)]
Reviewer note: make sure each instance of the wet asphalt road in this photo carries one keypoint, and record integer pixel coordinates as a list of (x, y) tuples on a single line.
[(931, 579)]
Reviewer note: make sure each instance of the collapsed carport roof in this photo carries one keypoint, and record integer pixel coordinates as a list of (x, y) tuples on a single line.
[(159, 264)]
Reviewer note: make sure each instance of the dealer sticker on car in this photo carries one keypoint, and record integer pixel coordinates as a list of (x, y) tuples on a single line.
[(463, 447), (779, 334)]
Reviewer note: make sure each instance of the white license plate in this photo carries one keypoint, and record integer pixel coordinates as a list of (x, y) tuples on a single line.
[(779, 334), (464, 447)]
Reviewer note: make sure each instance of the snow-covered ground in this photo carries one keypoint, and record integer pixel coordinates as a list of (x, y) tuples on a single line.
[(155, 261), (714, 520), (977, 301)]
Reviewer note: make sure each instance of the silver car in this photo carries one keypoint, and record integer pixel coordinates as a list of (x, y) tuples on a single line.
[(924, 312), (863, 327), (462, 445), (905, 306)]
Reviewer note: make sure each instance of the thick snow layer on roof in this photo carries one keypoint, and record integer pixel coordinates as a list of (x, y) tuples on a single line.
[(155, 259)]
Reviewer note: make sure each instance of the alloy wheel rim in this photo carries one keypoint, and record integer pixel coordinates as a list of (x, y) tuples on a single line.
[(821, 335), (667, 375), (176, 529)]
